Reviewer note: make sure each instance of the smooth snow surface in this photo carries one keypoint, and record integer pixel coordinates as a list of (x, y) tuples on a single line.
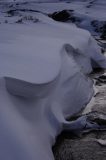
[(43, 81)]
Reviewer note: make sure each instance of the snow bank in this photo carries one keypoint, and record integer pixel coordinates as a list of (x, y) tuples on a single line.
[(29, 51), (43, 81)]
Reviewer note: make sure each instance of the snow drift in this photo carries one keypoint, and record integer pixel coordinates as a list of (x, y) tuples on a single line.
[(43, 70)]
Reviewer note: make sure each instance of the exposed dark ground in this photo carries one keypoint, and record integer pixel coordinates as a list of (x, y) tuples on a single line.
[(80, 148), (87, 146)]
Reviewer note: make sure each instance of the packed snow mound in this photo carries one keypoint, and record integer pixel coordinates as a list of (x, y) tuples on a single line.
[(43, 81), (35, 52)]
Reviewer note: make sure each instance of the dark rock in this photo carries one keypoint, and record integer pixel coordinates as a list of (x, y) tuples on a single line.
[(101, 79), (103, 36), (97, 117), (62, 16), (10, 13), (88, 6), (19, 21), (100, 27)]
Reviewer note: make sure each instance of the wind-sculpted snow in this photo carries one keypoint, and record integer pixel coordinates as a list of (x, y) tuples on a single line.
[(43, 82)]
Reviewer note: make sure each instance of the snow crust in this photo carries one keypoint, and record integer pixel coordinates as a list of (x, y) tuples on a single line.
[(43, 81)]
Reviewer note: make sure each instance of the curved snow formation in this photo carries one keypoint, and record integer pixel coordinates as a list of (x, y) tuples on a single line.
[(43, 70)]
